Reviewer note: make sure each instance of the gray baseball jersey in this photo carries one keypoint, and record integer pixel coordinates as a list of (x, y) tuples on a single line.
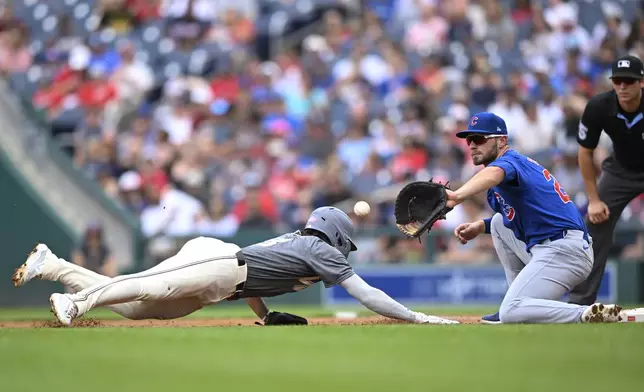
[(292, 262)]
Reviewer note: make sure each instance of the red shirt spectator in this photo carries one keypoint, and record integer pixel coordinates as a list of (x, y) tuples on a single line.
[(225, 87), (410, 160), (48, 98), (94, 93), (523, 12), (65, 82), (267, 206), (154, 177), (144, 10)]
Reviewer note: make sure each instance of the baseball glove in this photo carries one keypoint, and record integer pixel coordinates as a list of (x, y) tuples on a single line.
[(419, 205), (280, 318)]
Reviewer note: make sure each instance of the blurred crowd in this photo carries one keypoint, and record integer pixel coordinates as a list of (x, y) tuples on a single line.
[(183, 111)]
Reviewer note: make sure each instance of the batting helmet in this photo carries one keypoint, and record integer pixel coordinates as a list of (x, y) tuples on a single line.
[(336, 225)]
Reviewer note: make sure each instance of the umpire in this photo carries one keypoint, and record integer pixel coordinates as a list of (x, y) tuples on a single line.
[(619, 113)]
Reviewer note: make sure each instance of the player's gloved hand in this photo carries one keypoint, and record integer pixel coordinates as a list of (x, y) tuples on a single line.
[(468, 231), (419, 205), (280, 318), (598, 212), (422, 318)]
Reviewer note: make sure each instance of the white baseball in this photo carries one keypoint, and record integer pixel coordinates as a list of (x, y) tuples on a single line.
[(361, 208)]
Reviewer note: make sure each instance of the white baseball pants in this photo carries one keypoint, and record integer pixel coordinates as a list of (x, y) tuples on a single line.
[(537, 280), (205, 271)]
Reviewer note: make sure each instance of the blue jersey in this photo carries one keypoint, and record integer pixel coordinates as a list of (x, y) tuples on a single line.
[(533, 203)]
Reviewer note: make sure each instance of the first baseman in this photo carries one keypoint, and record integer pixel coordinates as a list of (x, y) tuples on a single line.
[(538, 233), (207, 271)]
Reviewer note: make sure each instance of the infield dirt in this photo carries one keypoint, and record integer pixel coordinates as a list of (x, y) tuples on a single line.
[(233, 322)]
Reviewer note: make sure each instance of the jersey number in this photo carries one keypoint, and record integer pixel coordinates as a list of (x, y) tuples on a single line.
[(562, 195)]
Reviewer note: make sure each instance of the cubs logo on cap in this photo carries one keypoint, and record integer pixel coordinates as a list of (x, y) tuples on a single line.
[(485, 123)]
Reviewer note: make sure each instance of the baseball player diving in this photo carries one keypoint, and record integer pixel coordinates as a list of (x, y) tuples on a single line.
[(537, 231), (207, 271)]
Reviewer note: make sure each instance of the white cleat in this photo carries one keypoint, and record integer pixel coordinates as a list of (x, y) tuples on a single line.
[(32, 268), (63, 308), (600, 313)]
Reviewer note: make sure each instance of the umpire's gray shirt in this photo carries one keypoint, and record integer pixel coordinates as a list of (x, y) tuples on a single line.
[(292, 262)]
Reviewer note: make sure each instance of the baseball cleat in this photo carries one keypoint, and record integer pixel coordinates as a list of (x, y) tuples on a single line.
[(600, 313), (32, 268), (491, 319), (63, 308)]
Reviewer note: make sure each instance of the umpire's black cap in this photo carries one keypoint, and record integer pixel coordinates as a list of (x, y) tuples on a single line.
[(628, 67)]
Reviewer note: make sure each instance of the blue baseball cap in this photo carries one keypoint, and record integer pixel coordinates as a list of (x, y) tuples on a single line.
[(485, 123)]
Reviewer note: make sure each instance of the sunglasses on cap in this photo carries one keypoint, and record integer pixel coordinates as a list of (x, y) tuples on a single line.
[(480, 139), (626, 81)]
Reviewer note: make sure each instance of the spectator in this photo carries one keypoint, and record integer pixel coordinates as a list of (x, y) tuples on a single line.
[(254, 217), (132, 80), (508, 106), (563, 18), (354, 149), (14, 52), (566, 171), (500, 28), (116, 15), (130, 186), (612, 28), (534, 134), (217, 222), (170, 212), (94, 254), (429, 33)]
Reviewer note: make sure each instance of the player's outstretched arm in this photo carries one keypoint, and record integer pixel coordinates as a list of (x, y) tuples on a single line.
[(485, 179), (377, 301)]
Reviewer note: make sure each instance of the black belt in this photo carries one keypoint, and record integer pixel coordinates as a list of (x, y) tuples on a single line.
[(239, 289), (241, 260)]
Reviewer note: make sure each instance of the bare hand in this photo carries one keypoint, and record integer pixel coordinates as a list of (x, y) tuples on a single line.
[(598, 212), (468, 231)]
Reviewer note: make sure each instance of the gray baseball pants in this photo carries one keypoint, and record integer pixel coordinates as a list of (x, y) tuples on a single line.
[(537, 280)]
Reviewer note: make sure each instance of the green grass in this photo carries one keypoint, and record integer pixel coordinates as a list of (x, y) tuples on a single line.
[(374, 358), (396, 358)]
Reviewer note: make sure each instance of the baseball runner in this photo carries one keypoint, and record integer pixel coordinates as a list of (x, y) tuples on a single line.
[(538, 233), (207, 271)]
